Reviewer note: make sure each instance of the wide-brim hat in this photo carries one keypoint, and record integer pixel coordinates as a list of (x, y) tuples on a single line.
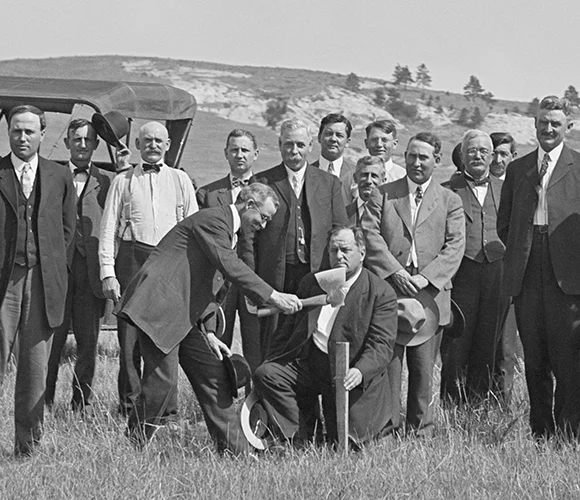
[(418, 318), (111, 127), (456, 328), (239, 373), (254, 422)]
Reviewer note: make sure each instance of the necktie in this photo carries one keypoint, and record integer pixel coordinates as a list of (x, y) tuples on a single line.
[(80, 170), (149, 166), (543, 168), (331, 169), (27, 180), (418, 195), (239, 183), (296, 186)]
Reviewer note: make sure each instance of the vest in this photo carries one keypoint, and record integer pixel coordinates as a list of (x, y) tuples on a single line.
[(27, 233), (481, 239), (299, 229)]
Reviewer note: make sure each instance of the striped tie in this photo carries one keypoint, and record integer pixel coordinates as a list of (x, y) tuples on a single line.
[(27, 180)]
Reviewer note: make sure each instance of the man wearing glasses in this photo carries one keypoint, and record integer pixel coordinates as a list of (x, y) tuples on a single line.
[(169, 295), (473, 364)]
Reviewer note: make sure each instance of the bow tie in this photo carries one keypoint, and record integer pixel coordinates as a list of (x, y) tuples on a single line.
[(480, 182), (80, 170), (150, 166), (239, 183)]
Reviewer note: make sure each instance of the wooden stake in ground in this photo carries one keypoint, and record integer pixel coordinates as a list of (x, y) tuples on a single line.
[(342, 356)]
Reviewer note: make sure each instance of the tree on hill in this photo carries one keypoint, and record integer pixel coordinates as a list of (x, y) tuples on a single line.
[(463, 118), (422, 76), (476, 118), (352, 82), (393, 93), (380, 98), (572, 95), (473, 89), (402, 75), (275, 111), (533, 107)]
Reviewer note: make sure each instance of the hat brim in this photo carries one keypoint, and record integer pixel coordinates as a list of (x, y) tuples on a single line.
[(429, 327), (238, 371), (254, 422), (105, 131)]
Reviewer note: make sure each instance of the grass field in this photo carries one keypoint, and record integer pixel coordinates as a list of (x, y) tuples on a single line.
[(482, 453)]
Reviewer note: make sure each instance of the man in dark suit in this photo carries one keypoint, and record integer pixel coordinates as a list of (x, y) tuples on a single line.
[(539, 222), (301, 363), (311, 204), (369, 174), (479, 361), (241, 151), (334, 138), (416, 237), (166, 299), (37, 221), (85, 303)]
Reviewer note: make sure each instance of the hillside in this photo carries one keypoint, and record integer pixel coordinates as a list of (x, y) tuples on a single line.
[(234, 96)]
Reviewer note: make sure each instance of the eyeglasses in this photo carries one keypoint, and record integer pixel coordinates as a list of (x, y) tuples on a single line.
[(471, 152), (265, 218)]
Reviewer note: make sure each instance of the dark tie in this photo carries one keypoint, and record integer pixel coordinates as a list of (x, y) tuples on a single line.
[(149, 166), (418, 195), (239, 183), (80, 170), (480, 182), (543, 168)]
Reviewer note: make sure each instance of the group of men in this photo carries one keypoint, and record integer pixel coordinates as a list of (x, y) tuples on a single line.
[(166, 255)]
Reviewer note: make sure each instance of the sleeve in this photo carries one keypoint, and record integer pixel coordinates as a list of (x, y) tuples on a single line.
[(109, 224)]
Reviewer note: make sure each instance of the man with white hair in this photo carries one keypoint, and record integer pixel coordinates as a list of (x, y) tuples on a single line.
[(477, 362), (143, 204), (311, 204)]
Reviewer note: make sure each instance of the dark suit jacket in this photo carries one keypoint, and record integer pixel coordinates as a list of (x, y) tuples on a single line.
[(56, 225), (352, 212), (439, 236), (182, 276), (91, 204), (346, 178), (515, 219), (326, 206), (458, 184), (368, 321), (215, 193)]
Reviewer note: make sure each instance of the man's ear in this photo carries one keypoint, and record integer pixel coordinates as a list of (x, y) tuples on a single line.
[(66, 143)]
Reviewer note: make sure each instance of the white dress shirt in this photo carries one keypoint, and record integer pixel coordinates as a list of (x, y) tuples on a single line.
[(541, 214), (18, 165), (151, 200), (415, 207), (299, 176), (237, 225), (236, 190), (327, 317), (393, 171), (80, 179), (336, 165), (479, 191)]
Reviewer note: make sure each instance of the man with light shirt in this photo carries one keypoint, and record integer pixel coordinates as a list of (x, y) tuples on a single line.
[(301, 362), (539, 222), (241, 152), (311, 204), (480, 362), (369, 174), (504, 151), (143, 204), (381, 140), (334, 138), (85, 303)]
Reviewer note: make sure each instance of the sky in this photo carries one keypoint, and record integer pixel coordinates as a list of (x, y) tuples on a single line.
[(519, 49)]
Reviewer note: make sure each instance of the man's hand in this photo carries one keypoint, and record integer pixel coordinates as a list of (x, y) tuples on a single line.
[(122, 156), (112, 289), (419, 281), (404, 282), (288, 303), (353, 378), (218, 347)]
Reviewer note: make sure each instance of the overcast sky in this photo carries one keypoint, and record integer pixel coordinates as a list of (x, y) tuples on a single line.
[(518, 49)]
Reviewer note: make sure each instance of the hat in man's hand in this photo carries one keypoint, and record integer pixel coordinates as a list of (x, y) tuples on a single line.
[(456, 327), (239, 373), (418, 318), (111, 127)]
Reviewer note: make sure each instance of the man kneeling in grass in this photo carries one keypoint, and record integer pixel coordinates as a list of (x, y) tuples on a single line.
[(301, 363)]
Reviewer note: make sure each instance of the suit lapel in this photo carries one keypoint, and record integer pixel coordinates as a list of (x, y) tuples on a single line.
[(402, 203), (45, 176), (562, 168), (495, 185), (8, 182), (311, 182), (92, 182), (429, 203), (460, 187), (532, 172), (283, 184)]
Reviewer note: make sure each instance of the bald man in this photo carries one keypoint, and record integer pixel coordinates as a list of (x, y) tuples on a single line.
[(143, 204)]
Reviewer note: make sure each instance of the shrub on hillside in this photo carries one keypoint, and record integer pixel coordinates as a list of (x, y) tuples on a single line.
[(275, 111), (401, 109)]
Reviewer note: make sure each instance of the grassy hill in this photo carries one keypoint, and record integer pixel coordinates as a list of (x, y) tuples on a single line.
[(237, 96)]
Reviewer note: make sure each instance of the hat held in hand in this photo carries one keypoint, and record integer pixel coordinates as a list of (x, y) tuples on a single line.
[(111, 127), (418, 318)]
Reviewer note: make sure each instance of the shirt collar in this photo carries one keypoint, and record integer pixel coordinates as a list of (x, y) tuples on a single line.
[(237, 219), (19, 164), (554, 154), (299, 175), (413, 187), (247, 176), (323, 162), (348, 283), (359, 202)]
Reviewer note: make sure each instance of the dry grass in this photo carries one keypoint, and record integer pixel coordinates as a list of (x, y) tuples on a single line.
[(481, 453)]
